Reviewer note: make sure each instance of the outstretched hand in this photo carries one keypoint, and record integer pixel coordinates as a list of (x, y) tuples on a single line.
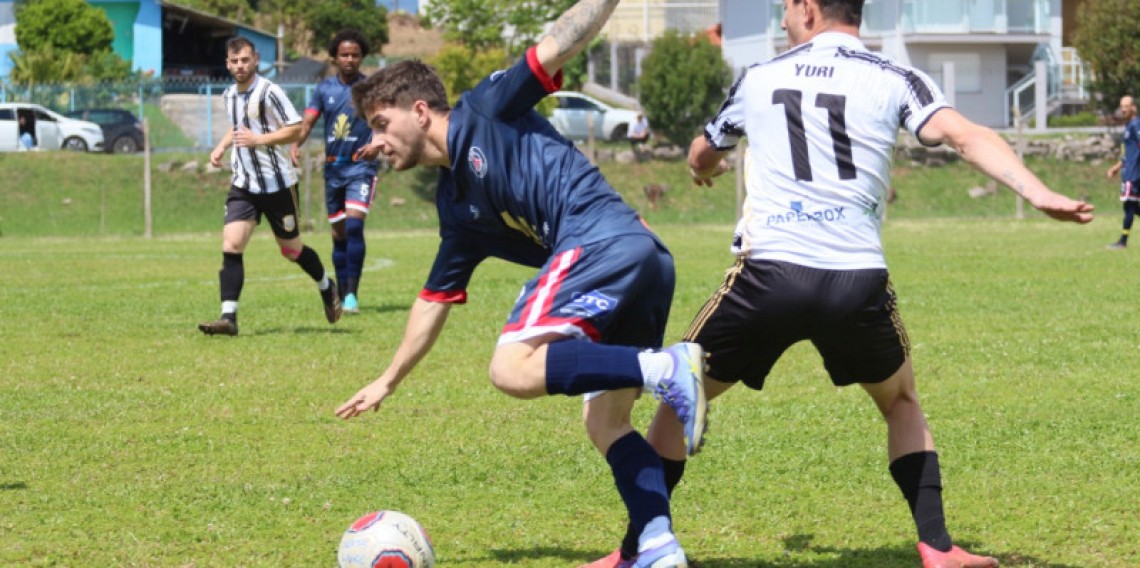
[(367, 398), (1063, 208)]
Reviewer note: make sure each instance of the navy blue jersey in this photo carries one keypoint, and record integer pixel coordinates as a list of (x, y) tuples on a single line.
[(516, 189), (1131, 151), (345, 133)]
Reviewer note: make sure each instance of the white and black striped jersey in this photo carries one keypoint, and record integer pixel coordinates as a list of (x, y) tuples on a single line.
[(263, 108), (822, 120)]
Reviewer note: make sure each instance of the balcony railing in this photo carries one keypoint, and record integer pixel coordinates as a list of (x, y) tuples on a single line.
[(882, 17)]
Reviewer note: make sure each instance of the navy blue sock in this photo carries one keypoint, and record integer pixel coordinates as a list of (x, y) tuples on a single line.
[(640, 479), (674, 470), (340, 261), (578, 367), (354, 265), (920, 480)]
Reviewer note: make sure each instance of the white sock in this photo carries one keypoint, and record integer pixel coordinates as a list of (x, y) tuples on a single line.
[(655, 366), (229, 307), (324, 284)]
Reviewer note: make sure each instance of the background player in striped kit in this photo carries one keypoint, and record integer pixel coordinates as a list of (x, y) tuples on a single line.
[(263, 183)]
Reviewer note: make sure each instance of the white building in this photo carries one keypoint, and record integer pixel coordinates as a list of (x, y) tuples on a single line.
[(990, 46)]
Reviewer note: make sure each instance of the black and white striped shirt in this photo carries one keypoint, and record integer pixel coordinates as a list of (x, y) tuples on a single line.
[(822, 121), (263, 108)]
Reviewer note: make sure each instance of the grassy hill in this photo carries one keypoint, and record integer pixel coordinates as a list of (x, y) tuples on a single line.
[(67, 194)]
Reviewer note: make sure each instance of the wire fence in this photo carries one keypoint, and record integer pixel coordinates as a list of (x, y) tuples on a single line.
[(184, 113)]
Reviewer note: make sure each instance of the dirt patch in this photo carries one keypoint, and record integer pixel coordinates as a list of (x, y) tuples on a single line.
[(406, 39)]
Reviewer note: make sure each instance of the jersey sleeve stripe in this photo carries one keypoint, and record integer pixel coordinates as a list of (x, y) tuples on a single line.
[(551, 84)]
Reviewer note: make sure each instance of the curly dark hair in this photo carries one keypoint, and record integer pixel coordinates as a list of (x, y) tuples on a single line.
[(353, 36)]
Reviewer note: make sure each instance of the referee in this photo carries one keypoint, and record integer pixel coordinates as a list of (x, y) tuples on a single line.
[(264, 183)]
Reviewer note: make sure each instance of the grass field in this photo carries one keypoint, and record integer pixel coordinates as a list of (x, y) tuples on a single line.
[(128, 439)]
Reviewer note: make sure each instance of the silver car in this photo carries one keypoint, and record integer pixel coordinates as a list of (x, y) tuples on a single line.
[(575, 112), (48, 130)]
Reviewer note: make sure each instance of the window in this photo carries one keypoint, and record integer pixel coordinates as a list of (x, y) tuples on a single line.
[(967, 70), (575, 103), (7, 114), (41, 115)]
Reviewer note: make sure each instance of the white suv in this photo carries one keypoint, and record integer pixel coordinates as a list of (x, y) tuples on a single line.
[(575, 109), (49, 130)]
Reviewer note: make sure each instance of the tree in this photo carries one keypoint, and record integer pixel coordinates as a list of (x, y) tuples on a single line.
[(327, 18), (682, 84), (66, 25), (483, 24), (1106, 39)]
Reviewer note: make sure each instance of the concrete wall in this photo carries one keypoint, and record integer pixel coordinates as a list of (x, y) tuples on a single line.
[(980, 91)]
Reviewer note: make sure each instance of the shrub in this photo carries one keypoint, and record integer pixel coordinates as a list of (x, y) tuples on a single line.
[(682, 84)]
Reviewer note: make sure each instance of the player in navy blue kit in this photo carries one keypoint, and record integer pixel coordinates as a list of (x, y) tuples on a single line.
[(1129, 169), (350, 161), (511, 187)]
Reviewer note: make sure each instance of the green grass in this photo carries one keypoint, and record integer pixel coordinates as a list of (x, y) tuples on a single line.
[(66, 194), (163, 132), (128, 439)]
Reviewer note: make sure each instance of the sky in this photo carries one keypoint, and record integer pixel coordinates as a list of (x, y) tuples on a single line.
[(405, 5)]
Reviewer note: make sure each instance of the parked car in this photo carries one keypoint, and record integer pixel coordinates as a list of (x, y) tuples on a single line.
[(572, 117), (49, 130), (122, 131)]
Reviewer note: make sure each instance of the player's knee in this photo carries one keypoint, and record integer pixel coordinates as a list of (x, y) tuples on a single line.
[(290, 253), (354, 228), (509, 374)]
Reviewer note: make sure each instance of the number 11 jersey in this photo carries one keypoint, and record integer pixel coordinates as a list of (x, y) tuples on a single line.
[(822, 120)]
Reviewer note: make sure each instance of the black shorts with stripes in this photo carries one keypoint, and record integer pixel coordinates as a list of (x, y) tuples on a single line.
[(279, 207), (763, 307)]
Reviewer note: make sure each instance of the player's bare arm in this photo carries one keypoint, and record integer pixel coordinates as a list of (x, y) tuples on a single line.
[(982, 148), (1115, 169), (571, 32), (705, 161), (308, 121), (425, 321), (220, 149), (245, 137)]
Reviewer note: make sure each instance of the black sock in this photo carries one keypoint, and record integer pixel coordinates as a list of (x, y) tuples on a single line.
[(231, 276), (918, 477), (674, 470), (310, 262)]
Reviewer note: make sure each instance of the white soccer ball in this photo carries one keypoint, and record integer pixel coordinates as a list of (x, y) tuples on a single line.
[(385, 539)]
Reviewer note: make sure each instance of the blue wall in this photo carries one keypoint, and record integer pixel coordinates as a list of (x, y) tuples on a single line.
[(266, 47)]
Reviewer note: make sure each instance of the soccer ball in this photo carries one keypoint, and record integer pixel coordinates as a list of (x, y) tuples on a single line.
[(385, 539)]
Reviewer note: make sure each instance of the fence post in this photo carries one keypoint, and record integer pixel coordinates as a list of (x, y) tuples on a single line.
[(1019, 146), (148, 219)]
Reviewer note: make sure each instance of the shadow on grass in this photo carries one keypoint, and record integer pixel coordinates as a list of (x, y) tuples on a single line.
[(14, 486), (884, 557), (307, 330), (385, 308)]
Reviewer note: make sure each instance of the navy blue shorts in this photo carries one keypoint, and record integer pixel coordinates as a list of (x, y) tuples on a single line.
[(353, 193), (616, 292), (764, 307), (1130, 191)]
